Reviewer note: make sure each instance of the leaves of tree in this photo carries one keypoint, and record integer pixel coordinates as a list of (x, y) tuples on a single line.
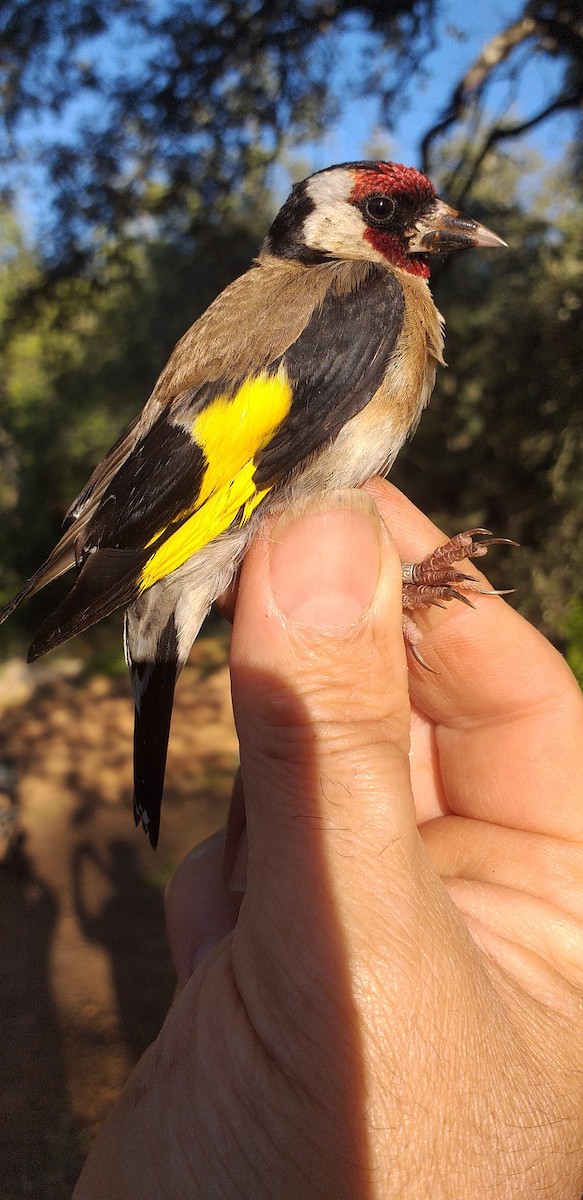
[(139, 104)]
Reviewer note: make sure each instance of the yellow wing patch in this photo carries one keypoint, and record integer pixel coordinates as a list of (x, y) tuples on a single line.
[(230, 431)]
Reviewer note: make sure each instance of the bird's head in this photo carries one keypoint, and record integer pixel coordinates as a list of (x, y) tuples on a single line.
[(380, 211)]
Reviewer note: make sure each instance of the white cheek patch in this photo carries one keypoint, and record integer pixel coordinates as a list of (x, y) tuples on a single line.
[(335, 231), (335, 226)]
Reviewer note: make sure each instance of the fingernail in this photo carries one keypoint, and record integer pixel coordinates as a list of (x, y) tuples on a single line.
[(325, 560)]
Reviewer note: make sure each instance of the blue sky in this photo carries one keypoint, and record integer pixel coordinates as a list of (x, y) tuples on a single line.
[(463, 29)]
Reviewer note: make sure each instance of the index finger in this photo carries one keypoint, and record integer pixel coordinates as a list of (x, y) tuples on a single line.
[(508, 712)]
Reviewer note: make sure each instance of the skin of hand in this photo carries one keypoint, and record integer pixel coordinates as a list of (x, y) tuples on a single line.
[(387, 997)]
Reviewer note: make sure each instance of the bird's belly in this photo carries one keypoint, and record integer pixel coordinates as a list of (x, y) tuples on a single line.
[(366, 446)]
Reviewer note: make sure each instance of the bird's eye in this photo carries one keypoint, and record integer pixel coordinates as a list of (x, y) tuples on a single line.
[(379, 209)]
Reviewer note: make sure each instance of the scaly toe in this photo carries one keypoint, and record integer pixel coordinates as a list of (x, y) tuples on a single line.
[(435, 581)]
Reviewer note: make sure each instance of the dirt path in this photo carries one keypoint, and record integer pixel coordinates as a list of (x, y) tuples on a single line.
[(85, 974)]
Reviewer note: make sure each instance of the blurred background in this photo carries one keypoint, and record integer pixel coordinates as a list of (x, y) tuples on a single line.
[(145, 146)]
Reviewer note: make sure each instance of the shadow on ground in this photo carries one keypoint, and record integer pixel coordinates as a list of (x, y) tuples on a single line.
[(85, 972)]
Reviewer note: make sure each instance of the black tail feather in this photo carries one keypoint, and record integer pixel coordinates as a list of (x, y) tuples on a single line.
[(154, 684)]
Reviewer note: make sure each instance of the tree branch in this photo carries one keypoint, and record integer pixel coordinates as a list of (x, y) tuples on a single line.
[(558, 34), (469, 89)]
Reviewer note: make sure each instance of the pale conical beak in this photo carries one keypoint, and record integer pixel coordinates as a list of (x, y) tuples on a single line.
[(442, 229)]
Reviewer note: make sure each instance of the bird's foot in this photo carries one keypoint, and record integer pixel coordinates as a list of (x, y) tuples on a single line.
[(434, 580)]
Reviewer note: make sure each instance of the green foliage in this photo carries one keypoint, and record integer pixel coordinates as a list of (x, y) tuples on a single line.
[(574, 635), (209, 94), (80, 366)]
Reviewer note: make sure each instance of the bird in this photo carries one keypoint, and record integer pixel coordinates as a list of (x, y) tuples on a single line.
[(308, 372)]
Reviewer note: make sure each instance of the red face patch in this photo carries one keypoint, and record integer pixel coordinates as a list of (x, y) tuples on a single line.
[(392, 248), (399, 182)]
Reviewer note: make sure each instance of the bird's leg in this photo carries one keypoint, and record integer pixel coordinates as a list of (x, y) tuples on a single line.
[(434, 580)]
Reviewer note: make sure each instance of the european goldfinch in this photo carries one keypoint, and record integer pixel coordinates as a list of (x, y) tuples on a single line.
[(306, 373)]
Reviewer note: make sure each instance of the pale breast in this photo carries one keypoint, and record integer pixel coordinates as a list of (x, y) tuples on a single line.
[(369, 443)]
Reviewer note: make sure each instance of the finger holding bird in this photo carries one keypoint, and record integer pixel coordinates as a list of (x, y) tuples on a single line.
[(306, 373)]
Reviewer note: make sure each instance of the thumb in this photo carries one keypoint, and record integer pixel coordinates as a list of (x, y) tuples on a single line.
[(321, 704)]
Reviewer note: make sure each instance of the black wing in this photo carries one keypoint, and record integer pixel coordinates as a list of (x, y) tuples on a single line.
[(336, 365)]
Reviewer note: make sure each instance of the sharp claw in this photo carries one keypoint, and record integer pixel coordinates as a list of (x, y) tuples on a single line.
[(419, 659), (496, 541), (495, 591), (455, 595)]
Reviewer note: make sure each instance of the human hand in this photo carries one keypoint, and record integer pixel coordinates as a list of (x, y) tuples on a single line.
[(396, 1009)]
